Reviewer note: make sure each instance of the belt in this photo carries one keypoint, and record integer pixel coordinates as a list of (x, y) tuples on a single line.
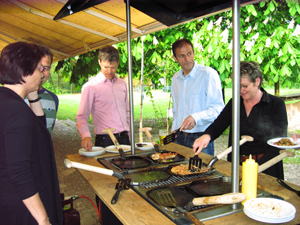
[(255, 157), (122, 134), (185, 133)]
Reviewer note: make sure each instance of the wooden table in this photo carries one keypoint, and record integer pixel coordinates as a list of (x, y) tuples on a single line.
[(132, 209)]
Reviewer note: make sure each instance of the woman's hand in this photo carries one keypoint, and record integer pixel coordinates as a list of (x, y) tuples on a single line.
[(201, 143), (296, 136)]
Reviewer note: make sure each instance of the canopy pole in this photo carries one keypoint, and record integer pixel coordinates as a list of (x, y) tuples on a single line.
[(130, 88), (236, 98)]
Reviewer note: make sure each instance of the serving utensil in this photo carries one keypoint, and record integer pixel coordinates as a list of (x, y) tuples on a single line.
[(167, 199), (244, 139), (123, 184), (171, 137), (195, 163), (146, 130), (115, 141), (68, 163)]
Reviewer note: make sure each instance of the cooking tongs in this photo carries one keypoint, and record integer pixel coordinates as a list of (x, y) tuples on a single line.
[(287, 186), (146, 130), (167, 199), (115, 141)]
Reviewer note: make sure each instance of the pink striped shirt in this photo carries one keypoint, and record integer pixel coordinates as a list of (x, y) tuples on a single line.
[(107, 101)]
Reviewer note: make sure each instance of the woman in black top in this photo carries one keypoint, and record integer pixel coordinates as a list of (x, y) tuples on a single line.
[(29, 190), (262, 116)]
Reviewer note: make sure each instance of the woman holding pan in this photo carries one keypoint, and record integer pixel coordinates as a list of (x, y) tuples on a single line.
[(29, 190), (262, 116)]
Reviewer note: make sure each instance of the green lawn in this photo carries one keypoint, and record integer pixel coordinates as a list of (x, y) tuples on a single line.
[(68, 104)]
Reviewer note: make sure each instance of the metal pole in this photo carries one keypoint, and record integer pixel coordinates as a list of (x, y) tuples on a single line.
[(236, 98), (130, 88)]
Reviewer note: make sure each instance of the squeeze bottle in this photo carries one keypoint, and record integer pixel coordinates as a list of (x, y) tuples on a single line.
[(249, 178)]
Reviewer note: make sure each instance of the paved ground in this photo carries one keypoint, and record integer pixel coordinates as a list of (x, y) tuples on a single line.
[(66, 141)]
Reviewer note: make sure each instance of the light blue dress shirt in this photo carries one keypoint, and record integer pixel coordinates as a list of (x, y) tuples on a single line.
[(198, 94)]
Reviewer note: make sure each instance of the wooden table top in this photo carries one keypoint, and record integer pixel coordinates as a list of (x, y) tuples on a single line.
[(132, 209)]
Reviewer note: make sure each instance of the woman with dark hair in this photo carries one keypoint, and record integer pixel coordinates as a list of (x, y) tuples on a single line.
[(262, 116), (29, 189)]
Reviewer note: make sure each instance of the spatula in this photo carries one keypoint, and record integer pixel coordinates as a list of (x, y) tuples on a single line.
[(171, 137), (146, 130), (195, 163), (123, 184), (167, 199), (115, 141)]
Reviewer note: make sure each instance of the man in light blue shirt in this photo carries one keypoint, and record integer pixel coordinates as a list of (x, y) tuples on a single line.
[(197, 96)]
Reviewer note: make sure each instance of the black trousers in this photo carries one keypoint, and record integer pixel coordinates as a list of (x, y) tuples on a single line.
[(107, 217)]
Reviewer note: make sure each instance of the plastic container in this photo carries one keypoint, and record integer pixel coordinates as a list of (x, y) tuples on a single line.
[(249, 178)]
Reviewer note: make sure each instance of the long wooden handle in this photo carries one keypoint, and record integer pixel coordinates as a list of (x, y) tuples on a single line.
[(228, 150), (271, 162), (193, 218), (146, 130), (112, 136), (230, 198), (69, 164)]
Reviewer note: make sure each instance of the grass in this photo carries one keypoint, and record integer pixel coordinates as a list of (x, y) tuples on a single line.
[(69, 103)]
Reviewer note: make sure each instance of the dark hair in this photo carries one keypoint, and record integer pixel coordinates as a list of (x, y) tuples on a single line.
[(18, 60), (47, 52), (251, 70), (110, 54), (179, 43)]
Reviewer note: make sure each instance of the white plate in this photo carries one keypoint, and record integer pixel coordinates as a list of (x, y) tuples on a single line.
[(272, 141), (266, 220), (269, 208), (148, 146), (113, 148), (95, 151)]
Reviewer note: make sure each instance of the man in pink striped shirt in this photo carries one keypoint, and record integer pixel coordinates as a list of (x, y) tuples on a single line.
[(104, 96)]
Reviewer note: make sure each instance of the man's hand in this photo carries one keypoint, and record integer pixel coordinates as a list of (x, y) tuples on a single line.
[(188, 123), (295, 137), (87, 143), (201, 143)]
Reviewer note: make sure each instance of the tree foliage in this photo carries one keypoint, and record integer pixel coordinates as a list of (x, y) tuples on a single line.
[(269, 34)]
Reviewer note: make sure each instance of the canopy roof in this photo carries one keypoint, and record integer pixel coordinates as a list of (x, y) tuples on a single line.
[(95, 26)]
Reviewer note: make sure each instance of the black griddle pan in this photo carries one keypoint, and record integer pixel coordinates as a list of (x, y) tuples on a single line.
[(131, 162)]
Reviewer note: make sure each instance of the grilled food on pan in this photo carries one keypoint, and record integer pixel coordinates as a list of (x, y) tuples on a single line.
[(183, 169), (165, 155)]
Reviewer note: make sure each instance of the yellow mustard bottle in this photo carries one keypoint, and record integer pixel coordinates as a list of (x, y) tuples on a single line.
[(249, 178)]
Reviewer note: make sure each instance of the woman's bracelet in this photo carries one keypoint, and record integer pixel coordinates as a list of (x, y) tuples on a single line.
[(35, 100)]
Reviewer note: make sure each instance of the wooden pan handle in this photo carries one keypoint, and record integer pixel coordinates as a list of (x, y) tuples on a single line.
[(271, 162), (112, 136), (230, 198), (146, 130), (244, 139), (69, 164)]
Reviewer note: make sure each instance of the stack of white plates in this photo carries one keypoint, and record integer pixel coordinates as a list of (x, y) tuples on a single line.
[(269, 210)]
